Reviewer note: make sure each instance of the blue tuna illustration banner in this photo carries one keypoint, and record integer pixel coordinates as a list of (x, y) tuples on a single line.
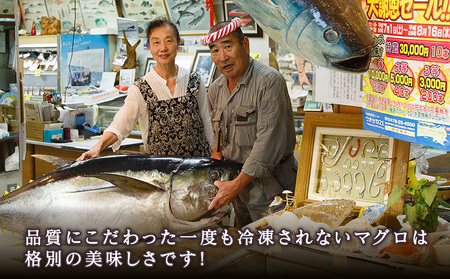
[(406, 92), (88, 58)]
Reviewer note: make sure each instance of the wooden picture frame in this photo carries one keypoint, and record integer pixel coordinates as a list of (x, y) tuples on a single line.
[(185, 60), (149, 64), (249, 26), (127, 77), (204, 65), (318, 167)]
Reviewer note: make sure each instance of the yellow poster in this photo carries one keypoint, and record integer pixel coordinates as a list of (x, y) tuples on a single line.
[(406, 86)]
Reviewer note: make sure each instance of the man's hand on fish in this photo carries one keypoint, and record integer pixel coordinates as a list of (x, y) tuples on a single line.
[(228, 190)]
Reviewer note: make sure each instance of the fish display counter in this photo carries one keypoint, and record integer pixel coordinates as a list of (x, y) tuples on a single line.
[(70, 150)]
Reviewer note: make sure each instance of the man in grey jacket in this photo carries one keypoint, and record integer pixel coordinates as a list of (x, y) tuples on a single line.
[(251, 110)]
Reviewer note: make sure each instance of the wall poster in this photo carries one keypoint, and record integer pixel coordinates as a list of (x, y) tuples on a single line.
[(144, 11), (86, 14), (7, 7), (32, 11), (68, 11), (190, 16), (406, 90)]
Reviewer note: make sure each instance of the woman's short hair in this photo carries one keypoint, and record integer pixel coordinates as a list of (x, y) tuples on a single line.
[(161, 22)]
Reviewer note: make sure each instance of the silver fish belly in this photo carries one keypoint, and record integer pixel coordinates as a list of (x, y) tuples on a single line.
[(330, 33), (142, 193)]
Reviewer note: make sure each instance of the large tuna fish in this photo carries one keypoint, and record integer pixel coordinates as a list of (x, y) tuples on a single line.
[(143, 193), (331, 33)]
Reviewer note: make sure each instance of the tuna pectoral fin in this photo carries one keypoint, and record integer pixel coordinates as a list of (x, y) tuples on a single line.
[(54, 160), (189, 226), (135, 186)]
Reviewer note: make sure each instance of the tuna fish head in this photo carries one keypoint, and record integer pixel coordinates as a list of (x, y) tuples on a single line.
[(330, 33), (193, 188)]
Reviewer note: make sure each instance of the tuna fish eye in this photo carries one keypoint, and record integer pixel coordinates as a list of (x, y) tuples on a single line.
[(331, 36), (214, 175)]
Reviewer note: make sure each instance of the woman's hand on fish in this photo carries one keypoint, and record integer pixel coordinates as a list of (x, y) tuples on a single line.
[(106, 140), (228, 190), (93, 152)]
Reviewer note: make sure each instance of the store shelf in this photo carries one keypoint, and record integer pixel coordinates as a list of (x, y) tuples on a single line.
[(42, 40), (43, 73), (92, 99), (45, 44)]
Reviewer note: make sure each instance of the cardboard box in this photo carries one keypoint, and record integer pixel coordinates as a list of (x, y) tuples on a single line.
[(14, 124), (53, 134), (35, 129), (8, 110)]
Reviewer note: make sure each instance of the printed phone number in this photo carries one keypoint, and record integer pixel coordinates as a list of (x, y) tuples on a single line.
[(400, 122), (380, 122)]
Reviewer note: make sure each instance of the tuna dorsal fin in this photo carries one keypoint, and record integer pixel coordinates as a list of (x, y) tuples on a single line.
[(130, 152), (128, 183), (54, 160)]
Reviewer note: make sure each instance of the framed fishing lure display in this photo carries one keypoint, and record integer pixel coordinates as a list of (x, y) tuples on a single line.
[(352, 164), (341, 160)]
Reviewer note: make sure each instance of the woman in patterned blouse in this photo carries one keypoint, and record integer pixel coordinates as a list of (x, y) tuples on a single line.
[(169, 102)]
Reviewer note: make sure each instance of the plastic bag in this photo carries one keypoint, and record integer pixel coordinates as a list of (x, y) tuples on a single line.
[(12, 162), (3, 133)]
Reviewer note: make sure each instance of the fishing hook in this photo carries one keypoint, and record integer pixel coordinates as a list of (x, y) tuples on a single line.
[(363, 164), (350, 150), (347, 166), (370, 187), (339, 179), (371, 165), (378, 170), (326, 185), (338, 156), (379, 151), (351, 182), (357, 165), (361, 194), (338, 143), (364, 147)]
